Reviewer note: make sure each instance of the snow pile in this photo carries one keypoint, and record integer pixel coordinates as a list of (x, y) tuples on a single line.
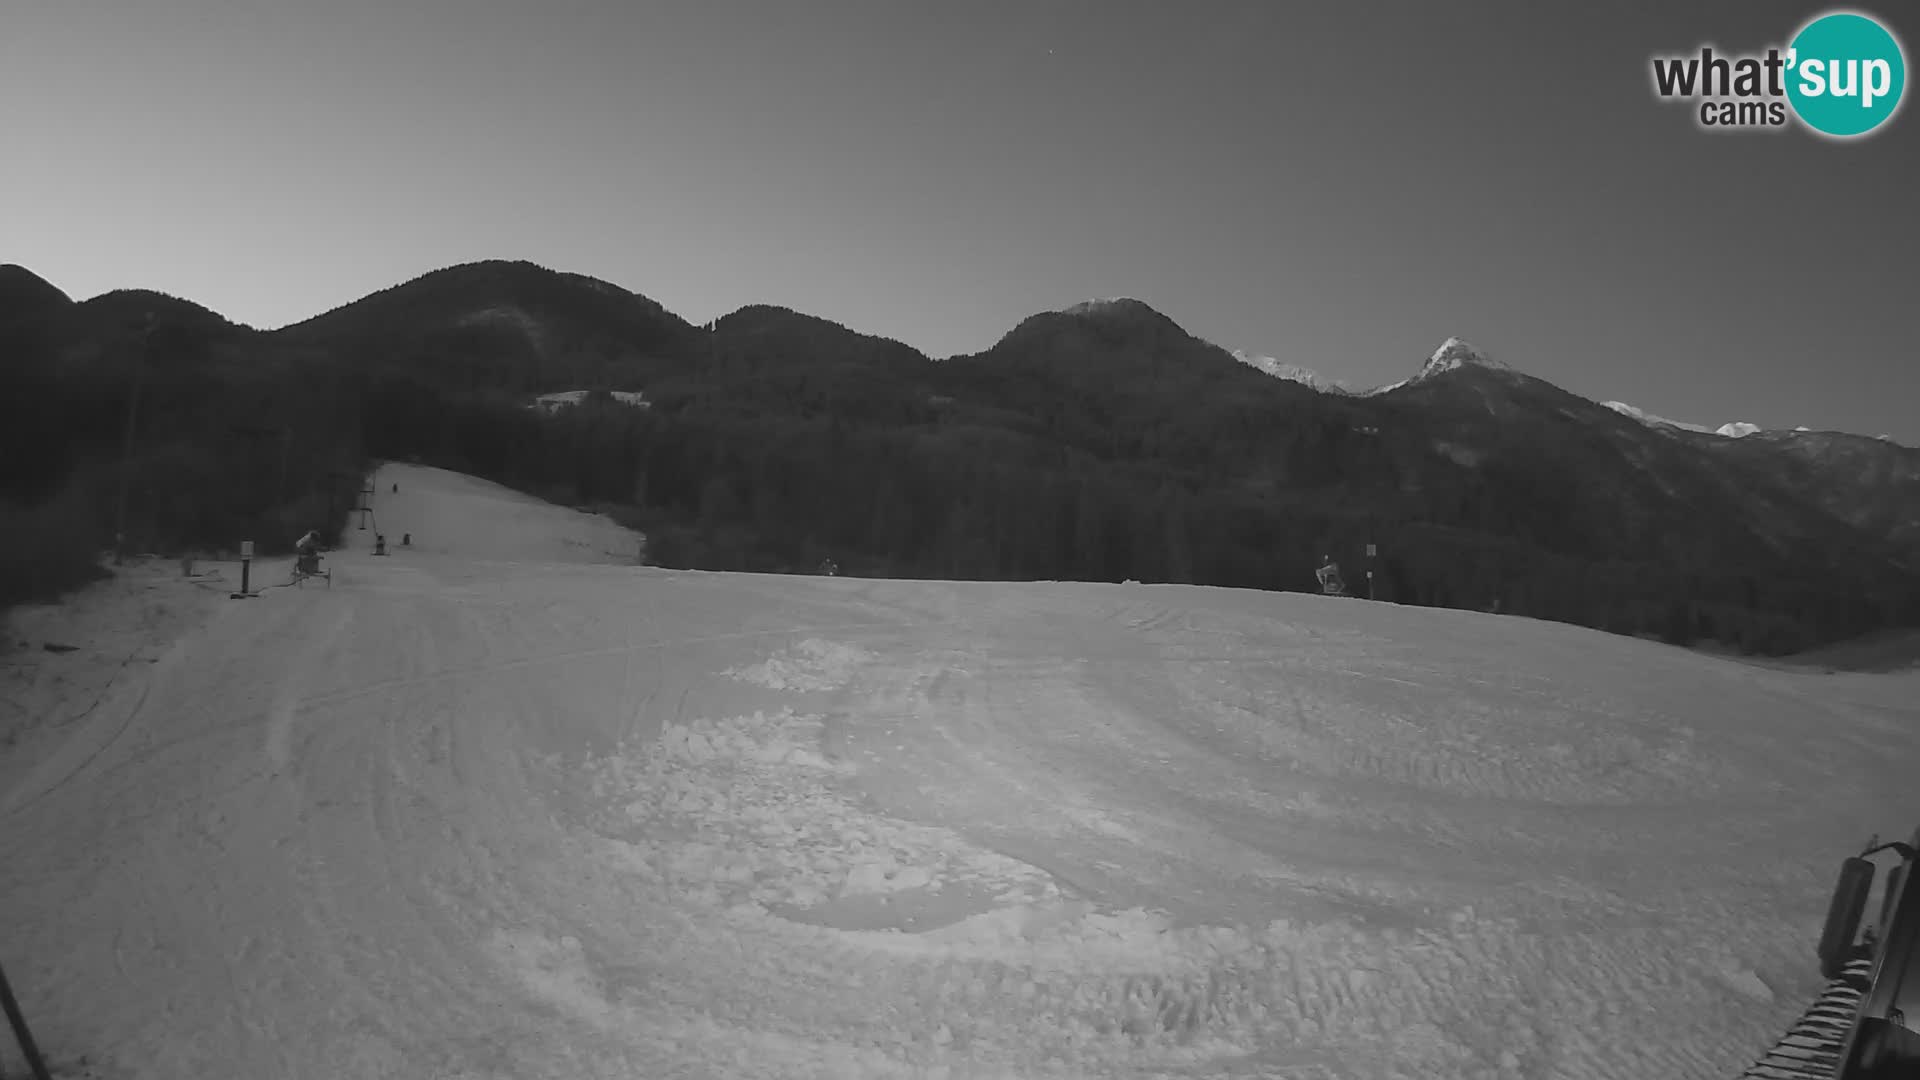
[(812, 664)]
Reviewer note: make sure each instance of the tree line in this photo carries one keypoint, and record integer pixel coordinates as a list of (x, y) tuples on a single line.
[(1070, 451), (721, 484)]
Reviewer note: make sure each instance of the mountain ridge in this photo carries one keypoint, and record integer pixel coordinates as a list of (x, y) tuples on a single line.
[(25, 294), (17, 282), (1101, 441)]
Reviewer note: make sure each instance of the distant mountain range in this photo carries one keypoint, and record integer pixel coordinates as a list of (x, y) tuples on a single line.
[(1454, 352), (1733, 430), (1492, 467)]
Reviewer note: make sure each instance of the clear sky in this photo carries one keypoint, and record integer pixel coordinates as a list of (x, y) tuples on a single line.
[(1339, 185)]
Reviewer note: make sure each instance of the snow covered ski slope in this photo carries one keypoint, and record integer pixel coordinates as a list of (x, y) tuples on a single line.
[(504, 805)]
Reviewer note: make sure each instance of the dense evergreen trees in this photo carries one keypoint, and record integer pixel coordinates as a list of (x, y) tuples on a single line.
[(1101, 446), (202, 431)]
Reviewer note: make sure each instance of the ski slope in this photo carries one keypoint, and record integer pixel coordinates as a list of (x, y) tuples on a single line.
[(505, 805)]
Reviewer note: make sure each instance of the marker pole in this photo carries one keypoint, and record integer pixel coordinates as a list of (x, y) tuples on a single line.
[(246, 572), (20, 1033)]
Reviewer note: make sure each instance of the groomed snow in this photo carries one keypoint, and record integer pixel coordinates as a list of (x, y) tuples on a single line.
[(503, 804)]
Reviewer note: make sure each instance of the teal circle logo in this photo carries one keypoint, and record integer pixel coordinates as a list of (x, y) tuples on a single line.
[(1846, 74)]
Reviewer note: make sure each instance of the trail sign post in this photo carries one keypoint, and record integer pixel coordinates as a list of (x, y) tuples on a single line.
[(246, 571)]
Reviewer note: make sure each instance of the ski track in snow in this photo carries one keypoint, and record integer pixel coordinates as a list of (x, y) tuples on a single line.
[(477, 813)]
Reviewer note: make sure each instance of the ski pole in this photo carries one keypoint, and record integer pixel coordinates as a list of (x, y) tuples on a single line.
[(20, 1032)]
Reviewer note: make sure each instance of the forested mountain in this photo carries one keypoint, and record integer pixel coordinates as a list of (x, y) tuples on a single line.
[(1103, 442), (1872, 484), (26, 295)]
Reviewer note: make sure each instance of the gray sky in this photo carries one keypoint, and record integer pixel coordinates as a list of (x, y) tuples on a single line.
[(1337, 185)]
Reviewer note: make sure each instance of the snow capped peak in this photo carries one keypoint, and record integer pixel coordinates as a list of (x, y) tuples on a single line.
[(1651, 420), (1122, 312), (1452, 347), (1456, 352), (1276, 368), (1111, 303), (1121, 315), (1290, 372), (1736, 430), (1453, 353)]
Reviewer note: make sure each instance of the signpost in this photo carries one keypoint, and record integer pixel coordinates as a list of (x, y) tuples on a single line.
[(246, 571)]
